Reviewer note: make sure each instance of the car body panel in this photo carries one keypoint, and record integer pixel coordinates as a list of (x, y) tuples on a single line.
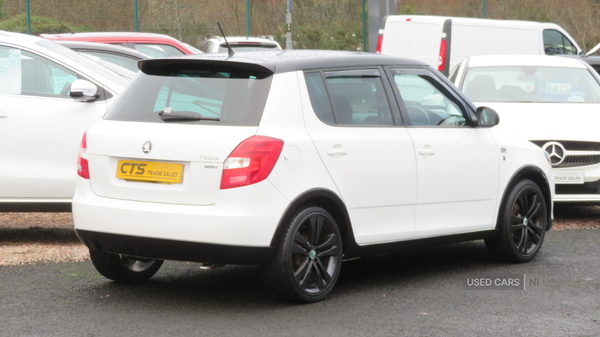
[(41, 126)]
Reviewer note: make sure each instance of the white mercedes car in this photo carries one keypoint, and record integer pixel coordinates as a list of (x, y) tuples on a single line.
[(296, 160), (554, 102)]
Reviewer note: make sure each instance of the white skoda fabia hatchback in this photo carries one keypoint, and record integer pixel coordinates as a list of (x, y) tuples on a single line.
[(297, 160)]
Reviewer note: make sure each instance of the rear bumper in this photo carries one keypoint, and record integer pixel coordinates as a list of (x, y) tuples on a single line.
[(162, 249), (242, 217)]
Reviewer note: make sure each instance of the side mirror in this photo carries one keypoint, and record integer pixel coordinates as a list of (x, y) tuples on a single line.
[(487, 117), (83, 91)]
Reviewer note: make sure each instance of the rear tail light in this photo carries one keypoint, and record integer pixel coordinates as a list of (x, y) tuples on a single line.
[(442, 57), (83, 169), (251, 161), (379, 44)]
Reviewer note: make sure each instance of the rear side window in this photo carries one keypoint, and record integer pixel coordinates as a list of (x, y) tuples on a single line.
[(353, 97), (199, 94)]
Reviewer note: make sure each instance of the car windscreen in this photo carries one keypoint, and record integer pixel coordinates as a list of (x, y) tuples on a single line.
[(197, 95), (531, 84)]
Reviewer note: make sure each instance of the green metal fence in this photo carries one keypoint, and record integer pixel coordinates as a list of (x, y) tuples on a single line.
[(317, 24)]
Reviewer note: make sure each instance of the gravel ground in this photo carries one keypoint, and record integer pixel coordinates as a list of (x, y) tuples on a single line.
[(43, 238)]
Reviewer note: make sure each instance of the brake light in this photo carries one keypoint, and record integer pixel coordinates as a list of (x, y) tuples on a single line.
[(379, 44), (83, 169), (251, 161), (442, 57)]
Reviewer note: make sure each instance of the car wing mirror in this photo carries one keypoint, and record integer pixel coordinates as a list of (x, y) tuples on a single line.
[(83, 91), (487, 117)]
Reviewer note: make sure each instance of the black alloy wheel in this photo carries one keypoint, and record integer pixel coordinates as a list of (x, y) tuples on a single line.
[(308, 259), (523, 222)]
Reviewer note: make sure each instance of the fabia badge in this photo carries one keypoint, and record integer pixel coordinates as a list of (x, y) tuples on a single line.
[(556, 151), (147, 147)]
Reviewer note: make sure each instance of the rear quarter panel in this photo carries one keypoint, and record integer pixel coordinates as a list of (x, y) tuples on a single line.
[(299, 167)]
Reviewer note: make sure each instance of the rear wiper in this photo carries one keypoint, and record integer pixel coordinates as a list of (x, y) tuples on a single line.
[(184, 116)]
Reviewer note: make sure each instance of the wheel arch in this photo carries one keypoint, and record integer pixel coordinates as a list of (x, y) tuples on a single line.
[(329, 201), (538, 176)]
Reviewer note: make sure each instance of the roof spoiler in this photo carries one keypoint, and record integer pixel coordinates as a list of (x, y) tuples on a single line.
[(177, 66)]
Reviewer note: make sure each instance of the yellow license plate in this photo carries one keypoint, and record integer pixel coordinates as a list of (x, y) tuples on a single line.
[(150, 171)]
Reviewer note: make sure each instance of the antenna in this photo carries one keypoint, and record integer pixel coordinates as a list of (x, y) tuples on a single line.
[(67, 27), (231, 52)]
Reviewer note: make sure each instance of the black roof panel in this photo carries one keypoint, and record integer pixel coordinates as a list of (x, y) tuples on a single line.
[(290, 60)]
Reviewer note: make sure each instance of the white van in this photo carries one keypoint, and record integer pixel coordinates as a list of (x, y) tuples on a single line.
[(443, 41)]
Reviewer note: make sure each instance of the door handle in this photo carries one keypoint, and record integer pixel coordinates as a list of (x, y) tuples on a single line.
[(426, 151), (337, 151)]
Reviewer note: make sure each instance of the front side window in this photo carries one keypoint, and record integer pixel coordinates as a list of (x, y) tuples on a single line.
[(349, 97), (531, 84), (201, 94), (25, 73), (556, 42), (426, 103)]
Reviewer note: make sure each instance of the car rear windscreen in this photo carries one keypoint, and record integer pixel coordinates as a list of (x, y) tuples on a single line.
[(197, 94)]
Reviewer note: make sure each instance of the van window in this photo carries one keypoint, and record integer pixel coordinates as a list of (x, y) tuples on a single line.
[(556, 43)]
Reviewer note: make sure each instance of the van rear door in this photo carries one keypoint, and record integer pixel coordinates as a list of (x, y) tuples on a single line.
[(413, 36)]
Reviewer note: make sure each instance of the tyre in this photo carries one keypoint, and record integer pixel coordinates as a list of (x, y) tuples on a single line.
[(522, 223), (121, 268), (308, 258)]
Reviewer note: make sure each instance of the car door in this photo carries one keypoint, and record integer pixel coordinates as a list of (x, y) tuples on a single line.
[(457, 164), (40, 126), (369, 156)]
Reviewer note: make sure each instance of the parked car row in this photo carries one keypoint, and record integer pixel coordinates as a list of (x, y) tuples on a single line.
[(293, 161)]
